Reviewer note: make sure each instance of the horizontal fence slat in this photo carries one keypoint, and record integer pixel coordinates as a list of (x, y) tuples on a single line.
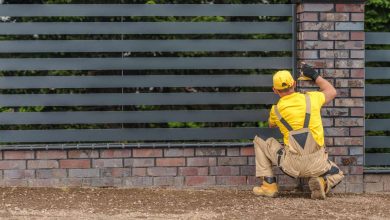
[(103, 99), (377, 159), (378, 90), (97, 117), (134, 134), (377, 37), (377, 72), (145, 28), (34, 82), (377, 124), (30, 10), (45, 46), (377, 142), (145, 63), (377, 55), (377, 107)]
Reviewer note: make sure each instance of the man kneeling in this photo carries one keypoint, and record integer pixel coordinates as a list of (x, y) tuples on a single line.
[(298, 117)]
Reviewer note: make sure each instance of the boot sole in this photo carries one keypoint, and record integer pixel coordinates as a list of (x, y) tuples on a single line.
[(317, 189), (271, 195)]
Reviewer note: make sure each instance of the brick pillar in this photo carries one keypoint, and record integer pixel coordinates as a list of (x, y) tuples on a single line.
[(331, 38)]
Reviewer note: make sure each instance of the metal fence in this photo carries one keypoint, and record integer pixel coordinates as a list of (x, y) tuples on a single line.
[(119, 66), (377, 140)]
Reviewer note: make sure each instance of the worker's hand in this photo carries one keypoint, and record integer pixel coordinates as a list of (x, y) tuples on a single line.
[(308, 71)]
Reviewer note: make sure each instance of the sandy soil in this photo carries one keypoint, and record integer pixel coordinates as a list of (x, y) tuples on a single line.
[(157, 203)]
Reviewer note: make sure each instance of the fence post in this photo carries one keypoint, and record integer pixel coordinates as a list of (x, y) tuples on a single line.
[(331, 37)]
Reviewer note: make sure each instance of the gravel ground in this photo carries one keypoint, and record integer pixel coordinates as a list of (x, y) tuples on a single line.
[(158, 203)]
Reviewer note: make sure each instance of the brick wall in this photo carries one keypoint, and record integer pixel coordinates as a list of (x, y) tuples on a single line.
[(177, 167), (331, 38)]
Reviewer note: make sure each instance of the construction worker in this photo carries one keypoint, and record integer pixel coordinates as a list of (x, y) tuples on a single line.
[(298, 117)]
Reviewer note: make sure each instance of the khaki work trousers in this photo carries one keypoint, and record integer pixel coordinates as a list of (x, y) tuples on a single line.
[(266, 156)]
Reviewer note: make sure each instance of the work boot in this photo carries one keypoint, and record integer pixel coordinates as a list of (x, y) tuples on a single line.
[(317, 187), (269, 188)]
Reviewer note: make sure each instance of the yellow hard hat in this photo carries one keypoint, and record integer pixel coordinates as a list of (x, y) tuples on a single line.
[(282, 80)]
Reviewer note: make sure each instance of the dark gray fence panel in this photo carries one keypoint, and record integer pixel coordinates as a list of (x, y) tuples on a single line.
[(114, 10), (96, 117), (377, 159), (145, 63), (32, 82), (35, 46), (102, 99), (136, 134), (145, 28), (377, 107), (378, 142), (377, 38), (377, 55), (377, 72), (377, 90), (378, 124)]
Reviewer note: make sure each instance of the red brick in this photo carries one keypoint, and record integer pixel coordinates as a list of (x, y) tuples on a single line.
[(327, 122), (201, 161), (177, 181), (351, 45), (51, 173), (357, 131), (357, 54), (247, 170), (247, 151), (43, 182), (81, 163), (106, 182), (308, 54), (349, 102), (317, 7), (18, 155), (42, 164), (349, 7), (324, 63), (336, 73), (80, 173), (19, 174), (14, 182), (334, 111), (115, 153), (231, 180), (224, 171), (116, 172), (357, 92), (200, 180), (170, 162), (72, 182), (144, 162), (342, 92), (51, 154), (315, 45), (356, 170), (233, 151), (342, 141), (232, 161), (357, 73), (83, 154), (357, 112), (328, 141), (253, 181), (138, 181), (334, 16), (139, 171), (338, 150), (334, 54), (349, 83), (161, 171), (193, 171), (306, 16), (179, 152), (357, 35), (210, 152), (315, 26), (308, 35), (97, 163), (147, 152), (12, 164), (349, 122), (334, 35), (332, 131)]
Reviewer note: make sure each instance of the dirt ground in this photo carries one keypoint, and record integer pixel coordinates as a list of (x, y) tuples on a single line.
[(157, 203)]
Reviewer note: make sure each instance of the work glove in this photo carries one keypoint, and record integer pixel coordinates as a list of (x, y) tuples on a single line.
[(309, 72)]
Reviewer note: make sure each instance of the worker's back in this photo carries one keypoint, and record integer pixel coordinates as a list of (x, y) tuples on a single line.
[(293, 109)]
